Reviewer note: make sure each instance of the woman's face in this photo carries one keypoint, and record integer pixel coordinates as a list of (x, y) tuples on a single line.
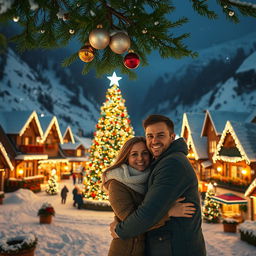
[(139, 157)]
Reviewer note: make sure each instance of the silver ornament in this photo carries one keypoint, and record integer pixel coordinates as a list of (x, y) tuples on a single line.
[(120, 43), (99, 38)]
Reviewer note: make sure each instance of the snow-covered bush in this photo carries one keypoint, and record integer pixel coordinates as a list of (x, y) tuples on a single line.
[(248, 231)]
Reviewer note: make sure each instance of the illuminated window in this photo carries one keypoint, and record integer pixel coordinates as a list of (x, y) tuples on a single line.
[(27, 140), (212, 146), (79, 152)]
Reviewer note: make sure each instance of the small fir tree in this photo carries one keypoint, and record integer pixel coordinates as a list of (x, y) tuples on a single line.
[(211, 209), (112, 130), (52, 186)]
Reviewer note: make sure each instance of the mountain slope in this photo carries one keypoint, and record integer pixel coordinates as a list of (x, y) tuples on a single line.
[(41, 89), (223, 78)]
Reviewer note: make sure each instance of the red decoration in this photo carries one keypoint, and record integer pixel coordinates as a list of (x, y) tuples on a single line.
[(131, 60)]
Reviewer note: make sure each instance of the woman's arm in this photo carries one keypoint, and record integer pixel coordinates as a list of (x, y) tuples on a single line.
[(120, 199)]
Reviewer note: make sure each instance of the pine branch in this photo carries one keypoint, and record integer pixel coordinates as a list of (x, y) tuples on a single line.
[(54, 23)]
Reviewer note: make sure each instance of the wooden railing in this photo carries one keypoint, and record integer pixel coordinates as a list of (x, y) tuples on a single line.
[(37, 149)]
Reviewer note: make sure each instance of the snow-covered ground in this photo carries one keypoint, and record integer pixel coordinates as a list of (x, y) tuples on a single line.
[(76, 232)]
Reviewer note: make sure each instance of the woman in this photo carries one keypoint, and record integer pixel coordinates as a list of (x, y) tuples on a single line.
[(126, 182)]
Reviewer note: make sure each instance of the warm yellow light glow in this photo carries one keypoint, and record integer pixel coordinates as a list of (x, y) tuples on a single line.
[(244, 172), (219, 169), (215, 184), (192, 154), (66, 167), (20, 171), (53, 171)]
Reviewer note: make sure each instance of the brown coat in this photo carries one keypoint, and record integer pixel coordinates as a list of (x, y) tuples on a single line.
[(124, 201)]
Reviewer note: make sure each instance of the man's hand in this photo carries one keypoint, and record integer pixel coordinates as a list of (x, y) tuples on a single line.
[(186, 210), (112, 227)]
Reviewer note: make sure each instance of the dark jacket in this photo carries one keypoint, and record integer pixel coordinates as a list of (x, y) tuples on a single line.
[(172, 176), (64, 192), (74, 192)]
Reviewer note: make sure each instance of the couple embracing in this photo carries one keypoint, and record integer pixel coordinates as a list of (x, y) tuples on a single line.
[(153, 191)]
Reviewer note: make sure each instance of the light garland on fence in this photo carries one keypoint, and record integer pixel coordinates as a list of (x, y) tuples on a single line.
[(229, 129)]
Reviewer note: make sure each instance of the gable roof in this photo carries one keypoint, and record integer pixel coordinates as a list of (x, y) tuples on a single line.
[(68, 130), (47, 123), (244, 135), (198, 145), (16, 122), (193, 122), (219, 119)]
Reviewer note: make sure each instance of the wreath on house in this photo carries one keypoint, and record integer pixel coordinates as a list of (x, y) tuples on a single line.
[(11, 245)]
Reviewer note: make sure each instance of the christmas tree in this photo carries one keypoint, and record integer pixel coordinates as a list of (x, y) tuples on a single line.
[(150, 25), (211, 209), (52, 186), (112, 130)]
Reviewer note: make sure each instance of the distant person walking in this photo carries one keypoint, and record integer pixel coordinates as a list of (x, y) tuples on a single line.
[(74, 178), (63, 194), (74, 192)]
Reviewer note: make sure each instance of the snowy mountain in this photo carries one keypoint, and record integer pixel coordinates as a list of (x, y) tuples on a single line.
[(222, 78), (43, 89)]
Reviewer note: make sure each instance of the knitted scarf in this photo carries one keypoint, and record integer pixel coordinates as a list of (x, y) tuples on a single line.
[(132, 178)]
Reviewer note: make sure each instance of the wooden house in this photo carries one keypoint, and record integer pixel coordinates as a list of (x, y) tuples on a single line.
[(68, 135), (250, 193), (235, 160), (76, 156), (7, 156), (24, 133), (213, 125), (5, 166), (197, 145), (51, 139)]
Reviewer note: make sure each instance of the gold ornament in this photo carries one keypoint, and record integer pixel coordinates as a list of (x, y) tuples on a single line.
[(86, 53), (99, 38), (120, 43)]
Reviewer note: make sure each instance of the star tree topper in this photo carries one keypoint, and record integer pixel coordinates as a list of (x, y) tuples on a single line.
[(114, 79)]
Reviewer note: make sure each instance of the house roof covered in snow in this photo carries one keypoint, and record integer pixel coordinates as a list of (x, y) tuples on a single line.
[(67, 131), (219, 119), (198, 145), (87, 142), (244, 135), (16, 122), (193, 122), (71, 146), (47, 123)]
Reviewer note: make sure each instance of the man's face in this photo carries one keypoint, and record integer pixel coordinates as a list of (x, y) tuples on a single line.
[(158, 138)]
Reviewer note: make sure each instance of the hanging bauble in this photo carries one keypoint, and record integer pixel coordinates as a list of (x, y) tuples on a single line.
[(86, 53), (120, 43), (99, 38), (131, 60)]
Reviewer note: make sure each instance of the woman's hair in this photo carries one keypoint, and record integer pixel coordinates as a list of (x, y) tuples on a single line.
[(123, 155)]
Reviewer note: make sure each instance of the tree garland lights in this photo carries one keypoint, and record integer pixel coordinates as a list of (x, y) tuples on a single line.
[(113, 129)]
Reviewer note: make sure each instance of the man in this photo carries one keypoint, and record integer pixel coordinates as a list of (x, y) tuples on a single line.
[(172, 177)]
